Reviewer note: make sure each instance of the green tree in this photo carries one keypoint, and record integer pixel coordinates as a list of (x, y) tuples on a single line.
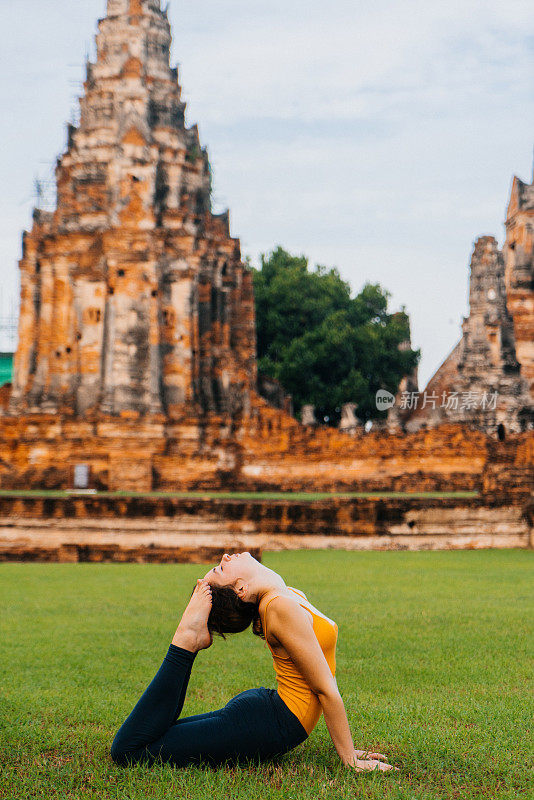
[(323, 345)]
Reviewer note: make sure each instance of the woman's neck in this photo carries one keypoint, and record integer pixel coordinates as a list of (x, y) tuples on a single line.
[(272, 584)]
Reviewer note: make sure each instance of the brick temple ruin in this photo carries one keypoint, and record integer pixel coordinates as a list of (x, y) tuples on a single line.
[(136, 365), (134, 295), (488, 378)]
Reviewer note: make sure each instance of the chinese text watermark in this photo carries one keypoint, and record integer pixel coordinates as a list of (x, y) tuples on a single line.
[(450, 401)]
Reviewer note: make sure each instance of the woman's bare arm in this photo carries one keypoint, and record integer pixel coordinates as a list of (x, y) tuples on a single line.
[(292, 627)]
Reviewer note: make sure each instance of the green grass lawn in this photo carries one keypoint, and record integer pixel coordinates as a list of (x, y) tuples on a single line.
[(300, 496), (434, 663)]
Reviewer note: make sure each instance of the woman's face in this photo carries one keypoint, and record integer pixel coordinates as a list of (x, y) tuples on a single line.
[(232, 567)]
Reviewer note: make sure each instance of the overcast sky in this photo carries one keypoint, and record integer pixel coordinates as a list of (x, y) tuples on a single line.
[(378, 137)]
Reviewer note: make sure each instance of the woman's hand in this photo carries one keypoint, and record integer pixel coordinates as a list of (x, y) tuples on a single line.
[(372, 765), (369, 762)]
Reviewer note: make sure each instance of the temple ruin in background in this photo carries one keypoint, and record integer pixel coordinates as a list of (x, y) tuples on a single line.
[(488, 378), (136, 365), (134, 297)]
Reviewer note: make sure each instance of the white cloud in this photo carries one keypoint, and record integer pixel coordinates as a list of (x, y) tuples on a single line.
[(344, 60)]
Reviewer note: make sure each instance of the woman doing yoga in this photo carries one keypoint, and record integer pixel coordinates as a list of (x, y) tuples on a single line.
[(257, 723)]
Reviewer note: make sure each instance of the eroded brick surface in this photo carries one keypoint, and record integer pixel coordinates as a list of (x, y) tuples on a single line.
[(519, 273)]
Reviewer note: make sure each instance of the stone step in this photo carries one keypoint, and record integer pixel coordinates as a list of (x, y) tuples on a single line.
[(415, 521), (187, 525), (209, 549), (429, 521)]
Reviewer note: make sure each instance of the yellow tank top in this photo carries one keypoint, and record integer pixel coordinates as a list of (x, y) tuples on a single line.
[(291, 685)]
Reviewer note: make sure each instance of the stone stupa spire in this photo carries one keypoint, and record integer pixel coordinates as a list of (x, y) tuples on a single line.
[(116, 8), (134, 298)]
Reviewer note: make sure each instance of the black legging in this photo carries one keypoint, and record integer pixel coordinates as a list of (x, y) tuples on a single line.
[(254, 724)]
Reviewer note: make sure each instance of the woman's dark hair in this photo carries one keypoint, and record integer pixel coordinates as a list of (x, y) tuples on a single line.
[(230, 614)]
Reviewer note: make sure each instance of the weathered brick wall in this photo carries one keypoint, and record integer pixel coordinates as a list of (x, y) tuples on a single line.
[(272, 452), (201, 530)]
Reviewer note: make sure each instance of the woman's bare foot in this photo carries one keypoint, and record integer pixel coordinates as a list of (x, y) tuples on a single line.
[(192, 632)]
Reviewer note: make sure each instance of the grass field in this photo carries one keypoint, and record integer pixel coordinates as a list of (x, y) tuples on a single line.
[(300, 496), (434, 662)]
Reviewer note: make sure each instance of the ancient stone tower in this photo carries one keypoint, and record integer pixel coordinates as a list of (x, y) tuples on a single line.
[(487, 348), (134, 297), (519, 273), (488, 378)]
